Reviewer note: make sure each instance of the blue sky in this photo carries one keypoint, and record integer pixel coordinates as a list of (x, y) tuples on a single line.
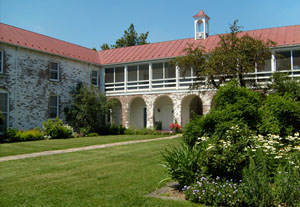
[(90, 23)]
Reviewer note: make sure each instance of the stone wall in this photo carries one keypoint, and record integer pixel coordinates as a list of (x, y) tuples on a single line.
[(26, 79)]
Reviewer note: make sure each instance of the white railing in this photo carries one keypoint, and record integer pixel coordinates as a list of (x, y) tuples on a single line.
[(259, 78)]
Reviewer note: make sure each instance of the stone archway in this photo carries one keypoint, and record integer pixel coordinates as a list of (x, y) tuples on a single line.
[(163, 112), (191, 106), (116, 112), (138, 113)]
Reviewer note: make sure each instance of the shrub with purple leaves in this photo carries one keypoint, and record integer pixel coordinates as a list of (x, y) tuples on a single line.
[(216, 192)]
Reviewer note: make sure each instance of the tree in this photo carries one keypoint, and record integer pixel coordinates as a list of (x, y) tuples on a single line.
[(89, 109), (233, 57), (130, 38), (105, 46)]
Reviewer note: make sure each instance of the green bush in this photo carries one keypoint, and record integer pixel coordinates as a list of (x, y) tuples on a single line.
[(225, 156), (84, 131), (13, 135), (144, 131), (112, 130), (232, 93), (233, 105), (280, 115), (55, 129), (283, 85), (93, 134)]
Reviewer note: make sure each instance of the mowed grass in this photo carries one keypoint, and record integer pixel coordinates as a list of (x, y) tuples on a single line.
[(116, 176), (56, 144)]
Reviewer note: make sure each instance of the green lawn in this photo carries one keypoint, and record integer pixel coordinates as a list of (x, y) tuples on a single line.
[(56, 144), (117, 176)]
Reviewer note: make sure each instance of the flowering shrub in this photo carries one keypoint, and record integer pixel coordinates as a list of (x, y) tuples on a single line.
[(175, 127), (225, 156), (275, 146), (216, 192), (55, 129)]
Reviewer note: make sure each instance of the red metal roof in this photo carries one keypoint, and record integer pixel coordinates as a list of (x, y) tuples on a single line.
[(201, 14), (31, 40), (284, 36)]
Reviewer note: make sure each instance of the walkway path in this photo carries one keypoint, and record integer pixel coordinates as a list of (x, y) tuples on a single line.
[(53, 152)]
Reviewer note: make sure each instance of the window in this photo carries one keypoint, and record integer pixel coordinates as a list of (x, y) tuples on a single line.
[(54, 71), (187, 73), (94, 77), (4, 110), (157, 70), (170, 70), (119, 71), (1, 61), (132, 73), (144, 72), (266, 66), (296, 59), (53, 106), (109, 75), (283, 61)]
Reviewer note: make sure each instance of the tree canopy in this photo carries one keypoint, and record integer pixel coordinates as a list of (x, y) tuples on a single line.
[(130, 38), (89, 109), (233, 57)]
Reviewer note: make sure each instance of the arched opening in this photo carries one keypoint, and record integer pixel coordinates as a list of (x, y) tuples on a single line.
[(116, 112), (191, 106), (163, 113), (138, 113)]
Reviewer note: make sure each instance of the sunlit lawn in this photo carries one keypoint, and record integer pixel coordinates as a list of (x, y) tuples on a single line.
[(56, 144), (117, 176)]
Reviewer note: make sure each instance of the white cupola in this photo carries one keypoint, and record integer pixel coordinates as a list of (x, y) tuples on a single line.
[(201, 25)]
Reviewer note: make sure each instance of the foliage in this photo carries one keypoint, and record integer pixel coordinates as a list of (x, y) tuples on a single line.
[(130, 38), (55, 129), (112, 129), (280, 115), (93, 134), (284, 86), (105, 46), (88, 110), (144, 131), (84, 131), (287, 182), (233, 57), (182, 163), (225, 156), (216, 192), (14, 135), (1, 118), (257, 182), (233, 105)]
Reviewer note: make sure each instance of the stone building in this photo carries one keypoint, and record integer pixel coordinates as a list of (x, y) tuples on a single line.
[(38, 72)]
